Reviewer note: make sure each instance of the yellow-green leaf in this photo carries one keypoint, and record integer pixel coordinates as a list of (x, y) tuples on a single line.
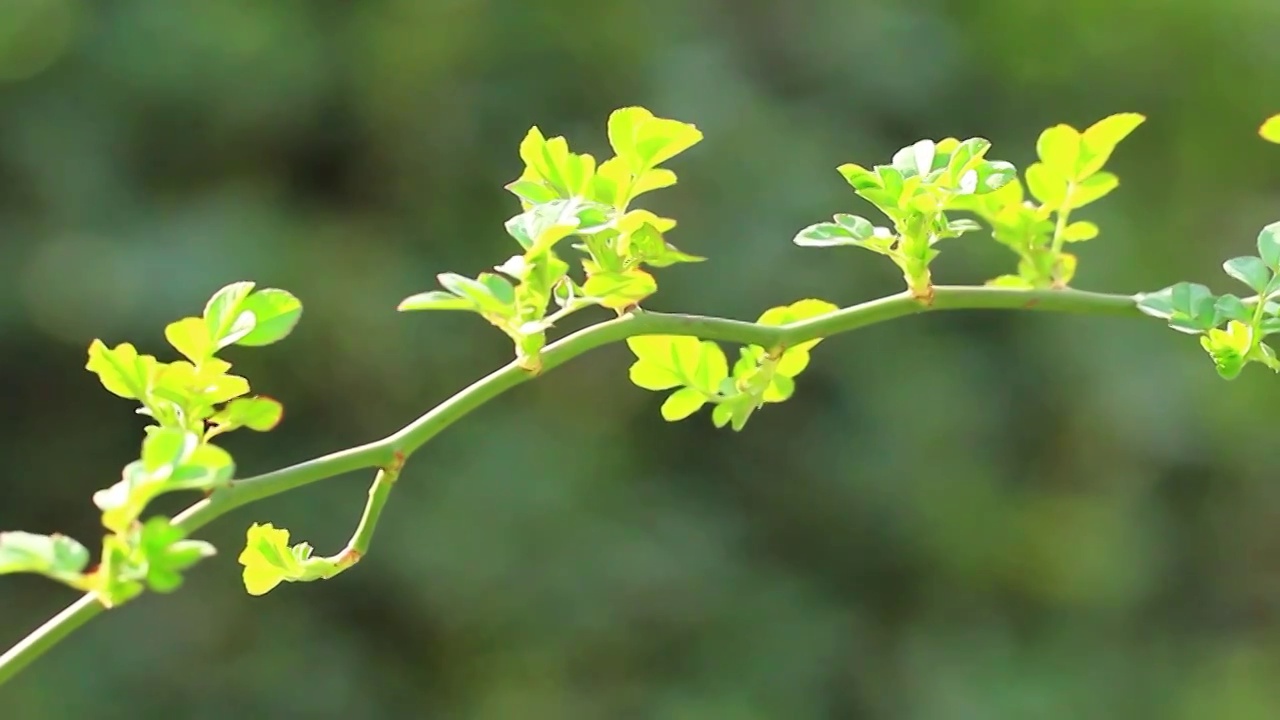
[(1080, 231), (1046, 184), (666, 361), (1091, 188), (56, 556), (780, 388), (653, 376), (190, 336), (682, 403), (1270, 130), (652, 179), (267, 559), (226, 320), (211, 385), (1100, 140), (795, 312), (1059, 149), (644, 141), (1065, 268), (618, 290), (257, 413), (121, 370)]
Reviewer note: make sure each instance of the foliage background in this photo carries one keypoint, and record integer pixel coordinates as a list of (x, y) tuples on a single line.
[(963, 516)]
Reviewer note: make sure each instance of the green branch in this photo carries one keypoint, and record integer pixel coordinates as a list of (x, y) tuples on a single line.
[(391, 451)]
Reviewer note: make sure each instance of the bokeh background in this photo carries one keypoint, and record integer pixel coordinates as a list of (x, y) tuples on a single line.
[(973, 515)]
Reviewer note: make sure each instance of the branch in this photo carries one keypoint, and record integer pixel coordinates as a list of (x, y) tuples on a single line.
[(392, 449)]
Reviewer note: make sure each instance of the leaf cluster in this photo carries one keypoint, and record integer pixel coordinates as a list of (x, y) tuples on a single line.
[(1067, 176), (190, 401), (700, 372), (916, 191), (568, 195), (1232, 328)]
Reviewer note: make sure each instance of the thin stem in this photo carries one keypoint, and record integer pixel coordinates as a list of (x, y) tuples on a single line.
[(390, 451), (379, 492), (1060, 230), (43, 638)]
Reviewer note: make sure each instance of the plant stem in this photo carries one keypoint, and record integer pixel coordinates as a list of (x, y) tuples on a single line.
[(47, 635), (390, 451), (379, 492)]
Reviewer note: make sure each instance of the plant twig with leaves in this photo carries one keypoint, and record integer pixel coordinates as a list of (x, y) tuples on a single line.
[(569, 199)]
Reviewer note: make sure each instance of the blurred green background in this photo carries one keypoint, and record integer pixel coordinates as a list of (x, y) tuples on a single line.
[(972, 515)]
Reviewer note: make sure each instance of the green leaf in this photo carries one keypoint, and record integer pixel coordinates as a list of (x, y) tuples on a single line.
[(721, 414), (1269, 246), (223, 316), (164, 448), (499, 287), (435, 300), (548, 161), (644, 141), (121, 370), (648, 246), (190, 336), (275, 313), (781, 387), (268, 560), (115, 581), (1189, 307), (992, 176), (655, 375), (54, 556), (1270, 130), (667, 361), (1230, 307), (1059, 149), (479, 293), (1229, 348), (619, 290), (208, 467), (542, 273), (124, 501), (965, 157), (1264, 354), (796, 311), (846, 230), (180, 383), (860, 178), (1091, 188), (652, 179), (959, 227), (542, 226), (916, 159), (1249, 270), (166, 553), (259, 413), (1101, 138), (531, 191), (1046, 184), (792, 362), (204, 467), (1080, 231), (682, 403)]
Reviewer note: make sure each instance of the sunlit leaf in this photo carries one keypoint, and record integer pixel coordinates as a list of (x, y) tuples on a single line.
[(55, 556), (121, 370), (275, 313)]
